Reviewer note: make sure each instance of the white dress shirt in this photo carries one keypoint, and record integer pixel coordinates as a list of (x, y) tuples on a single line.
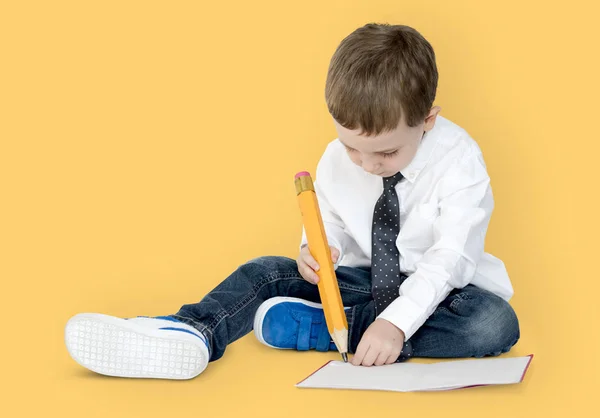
[(445, 206)]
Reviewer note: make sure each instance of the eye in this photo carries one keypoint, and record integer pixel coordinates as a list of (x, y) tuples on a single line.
[(350, 149), (390, 154)]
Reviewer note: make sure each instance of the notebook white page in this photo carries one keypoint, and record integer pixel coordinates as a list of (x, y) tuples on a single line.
[(409, 376)]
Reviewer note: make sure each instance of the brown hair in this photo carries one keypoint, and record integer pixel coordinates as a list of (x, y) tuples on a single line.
[(379, 73)]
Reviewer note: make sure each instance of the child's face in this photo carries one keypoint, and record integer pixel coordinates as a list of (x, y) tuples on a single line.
[(388, 153)]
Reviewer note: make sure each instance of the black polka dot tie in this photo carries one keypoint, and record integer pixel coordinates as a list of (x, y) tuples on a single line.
[(385, 257)]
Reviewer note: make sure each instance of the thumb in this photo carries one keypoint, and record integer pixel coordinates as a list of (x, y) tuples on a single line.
[(335, 253)]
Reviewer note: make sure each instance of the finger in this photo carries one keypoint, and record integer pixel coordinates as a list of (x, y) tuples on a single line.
[(361, 350), (311, 275), (310, 260), (307, 273), (314, 277), (382, 358), (393, 357), (335, 253), (370, 356)]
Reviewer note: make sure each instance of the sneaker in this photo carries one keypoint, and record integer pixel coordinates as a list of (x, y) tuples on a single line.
[(293, 324), (158, 347)]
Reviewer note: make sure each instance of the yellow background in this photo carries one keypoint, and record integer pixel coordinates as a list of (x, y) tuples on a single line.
[(148, 148)]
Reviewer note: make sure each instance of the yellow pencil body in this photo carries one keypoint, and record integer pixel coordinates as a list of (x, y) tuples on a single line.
[(318, 245)]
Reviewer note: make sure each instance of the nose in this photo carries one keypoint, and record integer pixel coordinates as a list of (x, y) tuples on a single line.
[(371, 166)]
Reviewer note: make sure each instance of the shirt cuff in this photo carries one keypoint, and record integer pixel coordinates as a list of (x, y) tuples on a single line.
[(410, 310), (405, 314)]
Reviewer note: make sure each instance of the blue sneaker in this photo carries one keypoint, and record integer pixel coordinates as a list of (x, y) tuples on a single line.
[(292, 324), (159, 347)]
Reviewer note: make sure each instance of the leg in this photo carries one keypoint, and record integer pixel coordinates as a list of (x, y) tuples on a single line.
[(470, 322), (180, 346), (361, 316), (227, 312), (293, 323)]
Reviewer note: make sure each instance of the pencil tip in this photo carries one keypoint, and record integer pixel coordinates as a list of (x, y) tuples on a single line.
[(345, 357)]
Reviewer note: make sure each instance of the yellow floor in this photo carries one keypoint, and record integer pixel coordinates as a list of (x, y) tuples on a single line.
[(255, 380)]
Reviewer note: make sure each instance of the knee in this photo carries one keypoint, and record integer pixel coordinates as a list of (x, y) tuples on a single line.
[(267, 265), (269, 261), (266, 259), (493, 326)]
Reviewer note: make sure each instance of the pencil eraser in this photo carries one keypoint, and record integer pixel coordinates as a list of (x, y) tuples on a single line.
[(302, 173)]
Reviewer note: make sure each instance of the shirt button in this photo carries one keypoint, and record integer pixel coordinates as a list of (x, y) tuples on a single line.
[(411, 175)]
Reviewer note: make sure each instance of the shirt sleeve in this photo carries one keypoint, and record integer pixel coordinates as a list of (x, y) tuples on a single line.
[(332, 223), (465, 208)]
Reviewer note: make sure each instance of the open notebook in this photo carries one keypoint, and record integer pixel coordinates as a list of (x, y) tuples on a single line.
[(407, 377)]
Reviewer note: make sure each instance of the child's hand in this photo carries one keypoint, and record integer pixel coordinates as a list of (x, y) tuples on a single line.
[(307, 265), (381, 344)]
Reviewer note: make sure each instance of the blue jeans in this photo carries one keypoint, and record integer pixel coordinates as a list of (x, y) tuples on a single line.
[(470, 322)]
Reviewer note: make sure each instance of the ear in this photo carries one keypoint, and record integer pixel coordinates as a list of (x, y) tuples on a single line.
[(430, 119)]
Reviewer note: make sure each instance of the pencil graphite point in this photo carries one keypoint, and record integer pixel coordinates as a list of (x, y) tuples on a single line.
[(345, 357)]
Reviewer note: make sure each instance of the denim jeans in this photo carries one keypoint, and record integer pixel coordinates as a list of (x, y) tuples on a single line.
[(470, 322)]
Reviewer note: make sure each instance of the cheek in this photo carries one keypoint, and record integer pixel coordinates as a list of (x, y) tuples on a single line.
[(400, 161), (355, 158), (407, 157)]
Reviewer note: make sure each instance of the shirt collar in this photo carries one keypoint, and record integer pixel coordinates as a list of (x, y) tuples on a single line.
[(422, 157)]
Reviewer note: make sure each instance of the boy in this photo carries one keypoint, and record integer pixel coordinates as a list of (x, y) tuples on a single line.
[(405, 199)]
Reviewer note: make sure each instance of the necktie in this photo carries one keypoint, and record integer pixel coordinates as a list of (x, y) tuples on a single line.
[(385, 257)]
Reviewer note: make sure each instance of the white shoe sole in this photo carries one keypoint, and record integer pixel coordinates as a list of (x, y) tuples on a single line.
[(117, 347), (268, 304)]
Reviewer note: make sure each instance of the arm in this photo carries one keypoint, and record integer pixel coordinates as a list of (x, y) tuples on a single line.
[(466, 205)]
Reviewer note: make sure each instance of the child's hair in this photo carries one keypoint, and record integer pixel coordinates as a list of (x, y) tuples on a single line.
[(378, 74)]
